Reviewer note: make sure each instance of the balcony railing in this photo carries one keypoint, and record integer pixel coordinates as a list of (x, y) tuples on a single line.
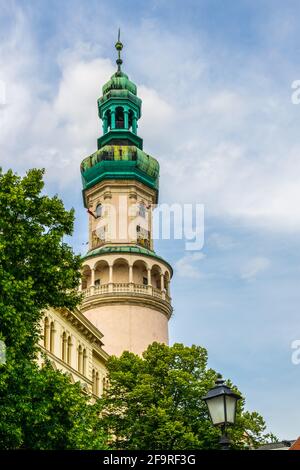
[(126, 287)]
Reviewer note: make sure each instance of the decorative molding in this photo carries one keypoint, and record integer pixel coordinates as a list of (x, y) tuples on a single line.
[(129, 298)]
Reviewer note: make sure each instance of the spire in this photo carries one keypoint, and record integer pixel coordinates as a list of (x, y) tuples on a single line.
[(119, 47)]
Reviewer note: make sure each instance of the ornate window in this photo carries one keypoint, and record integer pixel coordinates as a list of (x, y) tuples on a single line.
[(79, 359), (52, 333), (69, 350), (64, 346), (98, 237), (101, 233), (46, 333), (98, 211), (97, 384), (119, 118), (94, 382), (142, 210), (84, 357), (143, 236)]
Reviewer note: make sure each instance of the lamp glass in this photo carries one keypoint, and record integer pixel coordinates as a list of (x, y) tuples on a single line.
[(216, 409), (230, 408)]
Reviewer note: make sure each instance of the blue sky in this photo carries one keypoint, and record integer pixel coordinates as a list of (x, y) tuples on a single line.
[(215, 78)]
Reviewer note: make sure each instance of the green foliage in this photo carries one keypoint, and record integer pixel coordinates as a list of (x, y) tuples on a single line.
[(39, 407), (37, 269), (42, 409), (156, 402)]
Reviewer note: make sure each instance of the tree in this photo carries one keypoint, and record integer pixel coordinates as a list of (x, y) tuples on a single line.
[(37, 269), (155, 402), (39, 407), (42, 409)]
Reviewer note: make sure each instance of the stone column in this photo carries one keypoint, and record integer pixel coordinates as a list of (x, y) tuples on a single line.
[(92, 280), (162, 286), (130, 277), (162, 282), (149, 286), (110, 278)]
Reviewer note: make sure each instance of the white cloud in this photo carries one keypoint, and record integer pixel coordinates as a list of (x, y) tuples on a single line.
[(233, 147), (222, 242), (254, 266), (187, 266)]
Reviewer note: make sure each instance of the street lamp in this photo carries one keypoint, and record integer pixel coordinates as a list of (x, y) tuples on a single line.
[(221, 402)]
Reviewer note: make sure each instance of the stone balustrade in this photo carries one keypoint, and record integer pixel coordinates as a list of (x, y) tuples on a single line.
[(126, 287)]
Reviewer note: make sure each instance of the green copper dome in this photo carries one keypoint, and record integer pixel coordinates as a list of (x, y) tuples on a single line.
[(119, 81), (120, 152), (120, 162)]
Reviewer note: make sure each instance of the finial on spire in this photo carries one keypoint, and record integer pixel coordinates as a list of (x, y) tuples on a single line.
[(119, 47)]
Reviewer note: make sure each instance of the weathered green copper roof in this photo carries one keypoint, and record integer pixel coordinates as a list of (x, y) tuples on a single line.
[(119, 81), (120, 134), (120, 162), (125, 249)]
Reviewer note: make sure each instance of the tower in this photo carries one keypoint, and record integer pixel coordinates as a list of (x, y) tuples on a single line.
[(126, 285)]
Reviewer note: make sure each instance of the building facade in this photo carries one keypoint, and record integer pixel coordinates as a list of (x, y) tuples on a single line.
[(74, 346), (125, 284)]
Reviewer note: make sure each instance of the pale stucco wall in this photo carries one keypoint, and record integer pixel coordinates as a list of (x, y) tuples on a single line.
[(93, 362), (129, 327), (120, 202)]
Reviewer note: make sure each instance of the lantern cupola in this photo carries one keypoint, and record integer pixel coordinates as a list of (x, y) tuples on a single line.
[(119, 108)]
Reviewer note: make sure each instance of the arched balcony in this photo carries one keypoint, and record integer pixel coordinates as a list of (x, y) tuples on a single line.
[(122, 276)]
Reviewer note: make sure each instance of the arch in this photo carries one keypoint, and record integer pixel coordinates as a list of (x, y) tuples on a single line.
[(99, 210), (120, 270), (46, 332), (69, 350), (119, 117), (101, 268), (156, 276), (86, 274), (52, 336), (140, 272), (64, 346)]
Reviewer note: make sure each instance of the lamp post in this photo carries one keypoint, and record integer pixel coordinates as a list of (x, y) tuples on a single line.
[(221, 403)]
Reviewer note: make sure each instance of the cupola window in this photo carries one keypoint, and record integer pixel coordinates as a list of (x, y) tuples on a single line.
[(119, 118), (99, 210), (142, 210)]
